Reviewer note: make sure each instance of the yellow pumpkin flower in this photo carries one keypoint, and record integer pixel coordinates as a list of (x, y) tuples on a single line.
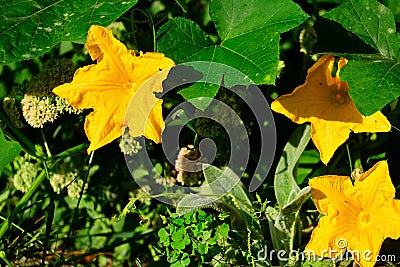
[(357, 217), (108, 87), (324, 101)]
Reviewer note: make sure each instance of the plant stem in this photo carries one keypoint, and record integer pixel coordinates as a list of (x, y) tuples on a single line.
[(21, 229), (71, 151), (349, 157), (46, 146), (153, 31), (3, 257), (76, 210)]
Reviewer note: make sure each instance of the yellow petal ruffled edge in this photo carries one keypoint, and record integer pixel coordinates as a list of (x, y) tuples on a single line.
[(150, 123)]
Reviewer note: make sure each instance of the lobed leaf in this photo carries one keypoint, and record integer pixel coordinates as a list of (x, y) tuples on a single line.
[(236, 18), (394, 6), (28, 29), (249, 40), (374, 81), (372, 22)]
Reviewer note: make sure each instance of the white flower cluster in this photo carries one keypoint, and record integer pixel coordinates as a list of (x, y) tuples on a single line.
[(129, 145), (26, 173), (59, 181)]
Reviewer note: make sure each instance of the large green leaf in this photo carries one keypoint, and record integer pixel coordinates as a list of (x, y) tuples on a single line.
[(236, 18), (249, 33), (285, 184), (326, 1), (374, 81), (225, 181), (9, 150), (30, 28), (372, 22), (218, 184), (283, 224), (394, 6)]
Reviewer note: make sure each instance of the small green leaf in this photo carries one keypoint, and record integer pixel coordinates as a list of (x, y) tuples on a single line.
[(178, 244), (178, 221), (163, 234), (372, 22), (178, 264), (203, 248), (185, 259), (224, 230), (285, 184), (201, 215), (9, 150), (186, 240), (201, 226), (196, 232), (174, 256), (28, 29), (206, 235), (189, 218), (178, 235), (213, 240)]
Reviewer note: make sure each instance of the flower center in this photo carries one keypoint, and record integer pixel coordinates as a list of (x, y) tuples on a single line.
[(127, 85), (363, 219), (340, 98)]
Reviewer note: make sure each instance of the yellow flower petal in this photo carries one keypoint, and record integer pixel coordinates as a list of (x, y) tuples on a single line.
[(376, 122), (146, 119), (375, 180), (332, 194), (326, 238), (362, 215), (389, 211), (108, 87), (323, 101), (105, 124), (366, 249), (334, 133), (148, 64), (154, 124), (149, 117), (111, 55)]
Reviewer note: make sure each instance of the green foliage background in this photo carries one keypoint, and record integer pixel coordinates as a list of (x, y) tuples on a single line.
[(112, 222)]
